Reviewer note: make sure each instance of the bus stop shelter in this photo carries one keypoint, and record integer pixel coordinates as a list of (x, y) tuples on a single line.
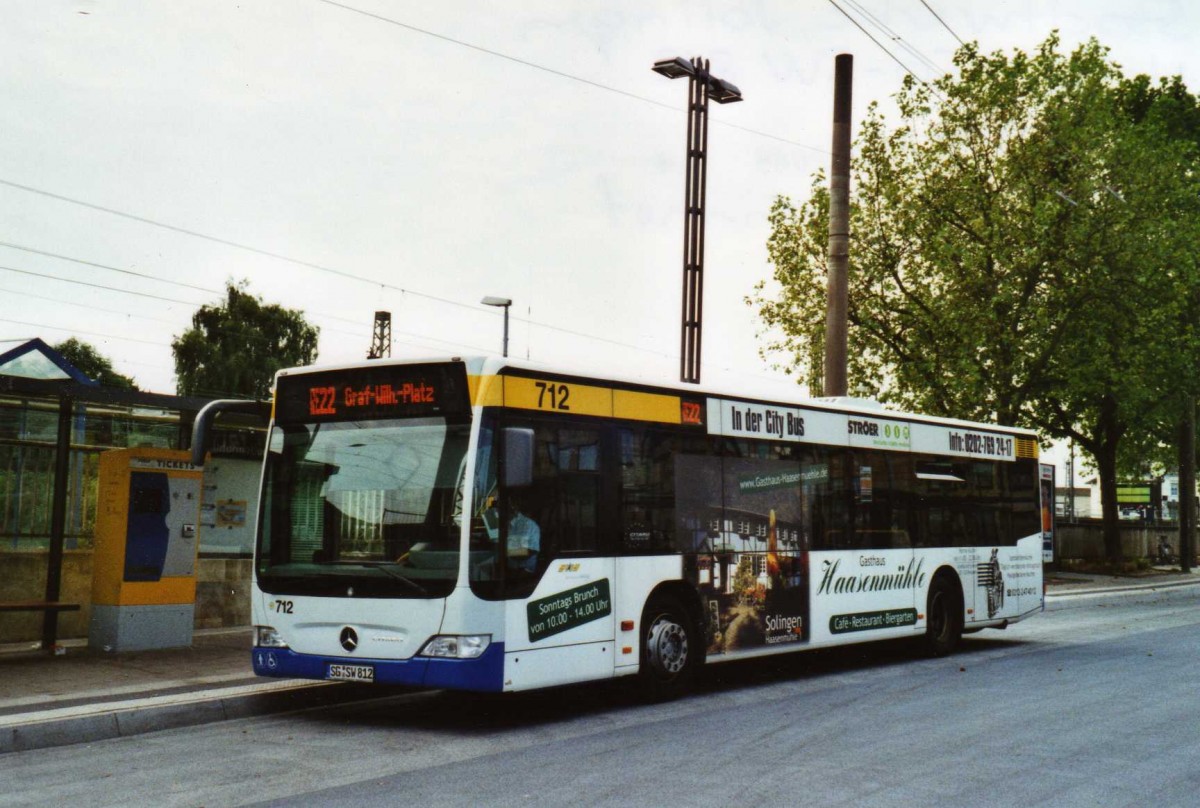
[(53, 421)]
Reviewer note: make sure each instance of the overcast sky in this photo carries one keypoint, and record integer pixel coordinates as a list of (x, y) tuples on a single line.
[(416, 156)]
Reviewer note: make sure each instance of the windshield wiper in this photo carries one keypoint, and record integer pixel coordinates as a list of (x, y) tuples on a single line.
[(390, 569)]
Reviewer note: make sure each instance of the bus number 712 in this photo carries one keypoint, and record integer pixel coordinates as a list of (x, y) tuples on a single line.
[(556, 394)]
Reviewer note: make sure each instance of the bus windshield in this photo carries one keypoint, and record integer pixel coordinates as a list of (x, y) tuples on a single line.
[(367, 508)]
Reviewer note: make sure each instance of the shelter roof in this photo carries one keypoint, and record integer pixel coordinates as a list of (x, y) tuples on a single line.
[(34, 359)]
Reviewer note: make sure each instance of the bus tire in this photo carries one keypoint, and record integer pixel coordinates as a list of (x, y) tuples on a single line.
[(671, 650), (943, 617)]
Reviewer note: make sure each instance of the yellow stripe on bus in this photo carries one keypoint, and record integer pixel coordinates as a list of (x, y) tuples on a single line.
[(546, 395), (486, 391), (555, 396), (646, 407), (1027, 448)]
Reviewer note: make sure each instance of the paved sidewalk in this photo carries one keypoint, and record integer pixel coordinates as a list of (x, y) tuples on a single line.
[(1066, 584), (82, 695)]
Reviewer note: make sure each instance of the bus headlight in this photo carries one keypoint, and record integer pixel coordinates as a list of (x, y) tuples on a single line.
[(451, 646), (267, 637)]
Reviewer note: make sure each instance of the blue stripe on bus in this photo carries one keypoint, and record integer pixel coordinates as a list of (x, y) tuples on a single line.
[(483, 674)]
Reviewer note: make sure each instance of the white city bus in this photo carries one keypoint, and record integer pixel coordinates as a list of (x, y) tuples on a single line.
[(488, 525)]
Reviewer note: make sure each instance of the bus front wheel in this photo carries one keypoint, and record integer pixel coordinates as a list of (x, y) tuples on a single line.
[(670, 649), (943, 617)]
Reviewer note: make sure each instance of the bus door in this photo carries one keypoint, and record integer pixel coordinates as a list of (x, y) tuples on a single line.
[(559, 624)]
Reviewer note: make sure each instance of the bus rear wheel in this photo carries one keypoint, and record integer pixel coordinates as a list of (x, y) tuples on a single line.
[(943, 617), (670, 649)]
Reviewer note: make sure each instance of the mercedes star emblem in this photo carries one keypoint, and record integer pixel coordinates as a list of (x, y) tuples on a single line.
[(349, 639)]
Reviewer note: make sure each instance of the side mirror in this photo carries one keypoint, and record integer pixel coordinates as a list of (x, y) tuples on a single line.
[(518, 457), (202, 427)]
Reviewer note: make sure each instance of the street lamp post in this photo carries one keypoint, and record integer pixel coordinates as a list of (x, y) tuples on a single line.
[(702, 85), (501, 303)]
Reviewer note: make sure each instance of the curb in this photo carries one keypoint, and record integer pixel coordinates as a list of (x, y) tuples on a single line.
[(1062, 600), (102, 721)]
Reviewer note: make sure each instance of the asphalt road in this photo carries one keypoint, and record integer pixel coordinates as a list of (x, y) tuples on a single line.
[(1085, 706)]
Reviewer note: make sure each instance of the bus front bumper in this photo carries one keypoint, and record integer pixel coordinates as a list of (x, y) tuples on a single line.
[(485, 674)]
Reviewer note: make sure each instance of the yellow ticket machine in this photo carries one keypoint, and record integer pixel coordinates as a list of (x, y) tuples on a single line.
[(144, 561)]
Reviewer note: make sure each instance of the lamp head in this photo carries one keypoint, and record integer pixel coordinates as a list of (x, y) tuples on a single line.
[(723, 92), (675, 68)]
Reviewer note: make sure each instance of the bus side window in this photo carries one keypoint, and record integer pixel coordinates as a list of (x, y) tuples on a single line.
[(565, 496), (832, 502), (945, 502), (1020, 484), (648, 468), (881, 501)]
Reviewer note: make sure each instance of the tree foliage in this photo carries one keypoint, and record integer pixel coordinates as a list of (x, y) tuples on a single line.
[(235, 347), (1170, 106), (1023, 251), (93, 364)]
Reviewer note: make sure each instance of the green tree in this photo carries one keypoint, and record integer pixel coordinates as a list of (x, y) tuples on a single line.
[(94, 365), (1023, 252), (235, 347), (1168, 104)]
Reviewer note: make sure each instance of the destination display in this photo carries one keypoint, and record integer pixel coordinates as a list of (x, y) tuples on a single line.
[(383, 391)]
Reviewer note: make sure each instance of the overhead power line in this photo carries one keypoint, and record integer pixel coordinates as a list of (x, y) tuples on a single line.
[(878, 44), (943, 22), (490, 52), (98, 286), (236, 245), (226, 242), (48, 254), (135, 274), (80, 331), (277, 256), (894, 35), (143, 294), (93, 307), (554, 72), (88, 306)]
